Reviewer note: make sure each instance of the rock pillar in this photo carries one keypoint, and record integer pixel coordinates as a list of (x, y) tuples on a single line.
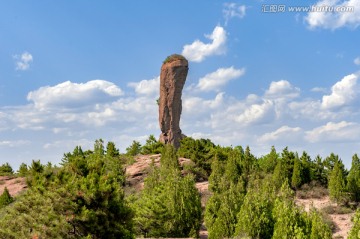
[(172, 79)]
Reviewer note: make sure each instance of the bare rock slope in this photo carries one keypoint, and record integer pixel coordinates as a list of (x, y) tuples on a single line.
[(15, 185)]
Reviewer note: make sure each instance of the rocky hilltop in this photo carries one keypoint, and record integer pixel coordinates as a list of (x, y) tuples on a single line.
[(172, 80)]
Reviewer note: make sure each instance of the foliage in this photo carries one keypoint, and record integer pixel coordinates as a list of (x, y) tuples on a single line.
[(337, 182), (169, 205), (221, 211), (173, 57), (6, 170), (305, 168), (134, 149), (200, 151), (319, 229), (23, 170), (5, 198), (279, 177), (318, 172), (296, 179), (355, 230), (83, 198), (152, 146), (268, 162), (353, 179), (228, 186), (290, 221), (255, 218)]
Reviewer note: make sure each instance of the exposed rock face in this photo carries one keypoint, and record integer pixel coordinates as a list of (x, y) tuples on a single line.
[(172, 79)]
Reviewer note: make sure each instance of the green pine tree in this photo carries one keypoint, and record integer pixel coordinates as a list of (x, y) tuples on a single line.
[(169, 205), (5, 198), (355, 230), (353, 179), (337, 182), (296, 175)]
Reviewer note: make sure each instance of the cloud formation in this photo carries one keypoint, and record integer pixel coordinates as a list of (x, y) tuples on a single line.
[(342, 93), (346, 13), (198, 50), (81, 112), (357, 61), (284, 133), (215, 80), (336, 132), (232, 10), (282, 89), (23, 61), (68, 94), (146, 87)]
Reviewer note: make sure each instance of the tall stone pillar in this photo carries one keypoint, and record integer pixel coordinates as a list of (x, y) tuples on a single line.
[(172, 79)]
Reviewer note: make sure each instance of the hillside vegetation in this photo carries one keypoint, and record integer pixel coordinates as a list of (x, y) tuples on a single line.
[(89, 194)]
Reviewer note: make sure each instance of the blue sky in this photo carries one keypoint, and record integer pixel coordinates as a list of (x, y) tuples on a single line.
[(75, 71)]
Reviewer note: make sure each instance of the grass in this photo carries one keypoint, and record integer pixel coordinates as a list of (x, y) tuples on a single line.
[(173, 57)]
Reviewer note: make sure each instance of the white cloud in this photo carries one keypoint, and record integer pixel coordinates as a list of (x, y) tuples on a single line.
[(196, 105), (146, 87), (232, 10), (357, 61), (284, 133), (13, 143), (23, 61), (342, 93), (334, 132), (198, 50), (319, 89), (260, 119), (282, 89), (213, 81), (68, 94), (257, 113), (346, 13)]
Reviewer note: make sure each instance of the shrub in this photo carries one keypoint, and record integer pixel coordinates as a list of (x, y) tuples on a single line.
[(173, 57)]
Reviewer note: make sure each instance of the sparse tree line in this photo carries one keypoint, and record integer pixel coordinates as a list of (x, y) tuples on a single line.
[(84, 196)]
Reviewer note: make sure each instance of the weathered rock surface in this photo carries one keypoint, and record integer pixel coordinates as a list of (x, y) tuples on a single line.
[(136, 172), (172, 79), (15, 185)]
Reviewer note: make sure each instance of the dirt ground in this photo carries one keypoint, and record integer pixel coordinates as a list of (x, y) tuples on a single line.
[(342, 222), (15, 185)]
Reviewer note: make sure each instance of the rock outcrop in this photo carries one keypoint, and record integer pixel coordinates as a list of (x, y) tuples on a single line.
[(172, 79)]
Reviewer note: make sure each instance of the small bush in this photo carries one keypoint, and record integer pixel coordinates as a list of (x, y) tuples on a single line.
[(336, 210), (328, 220), (312, 190), (173, 57)]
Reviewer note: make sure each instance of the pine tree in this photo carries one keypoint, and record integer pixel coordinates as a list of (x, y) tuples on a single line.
[(317, 171), (169, 205), (23, 170), (134, 149), (353, 179), (279, 175), (6, 169), (5, 198), (305, 168), (290, 221), (319, 229), (255, 219), (152, 146), (355, 230), (337, 182), (268, 162), (296, 175)]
